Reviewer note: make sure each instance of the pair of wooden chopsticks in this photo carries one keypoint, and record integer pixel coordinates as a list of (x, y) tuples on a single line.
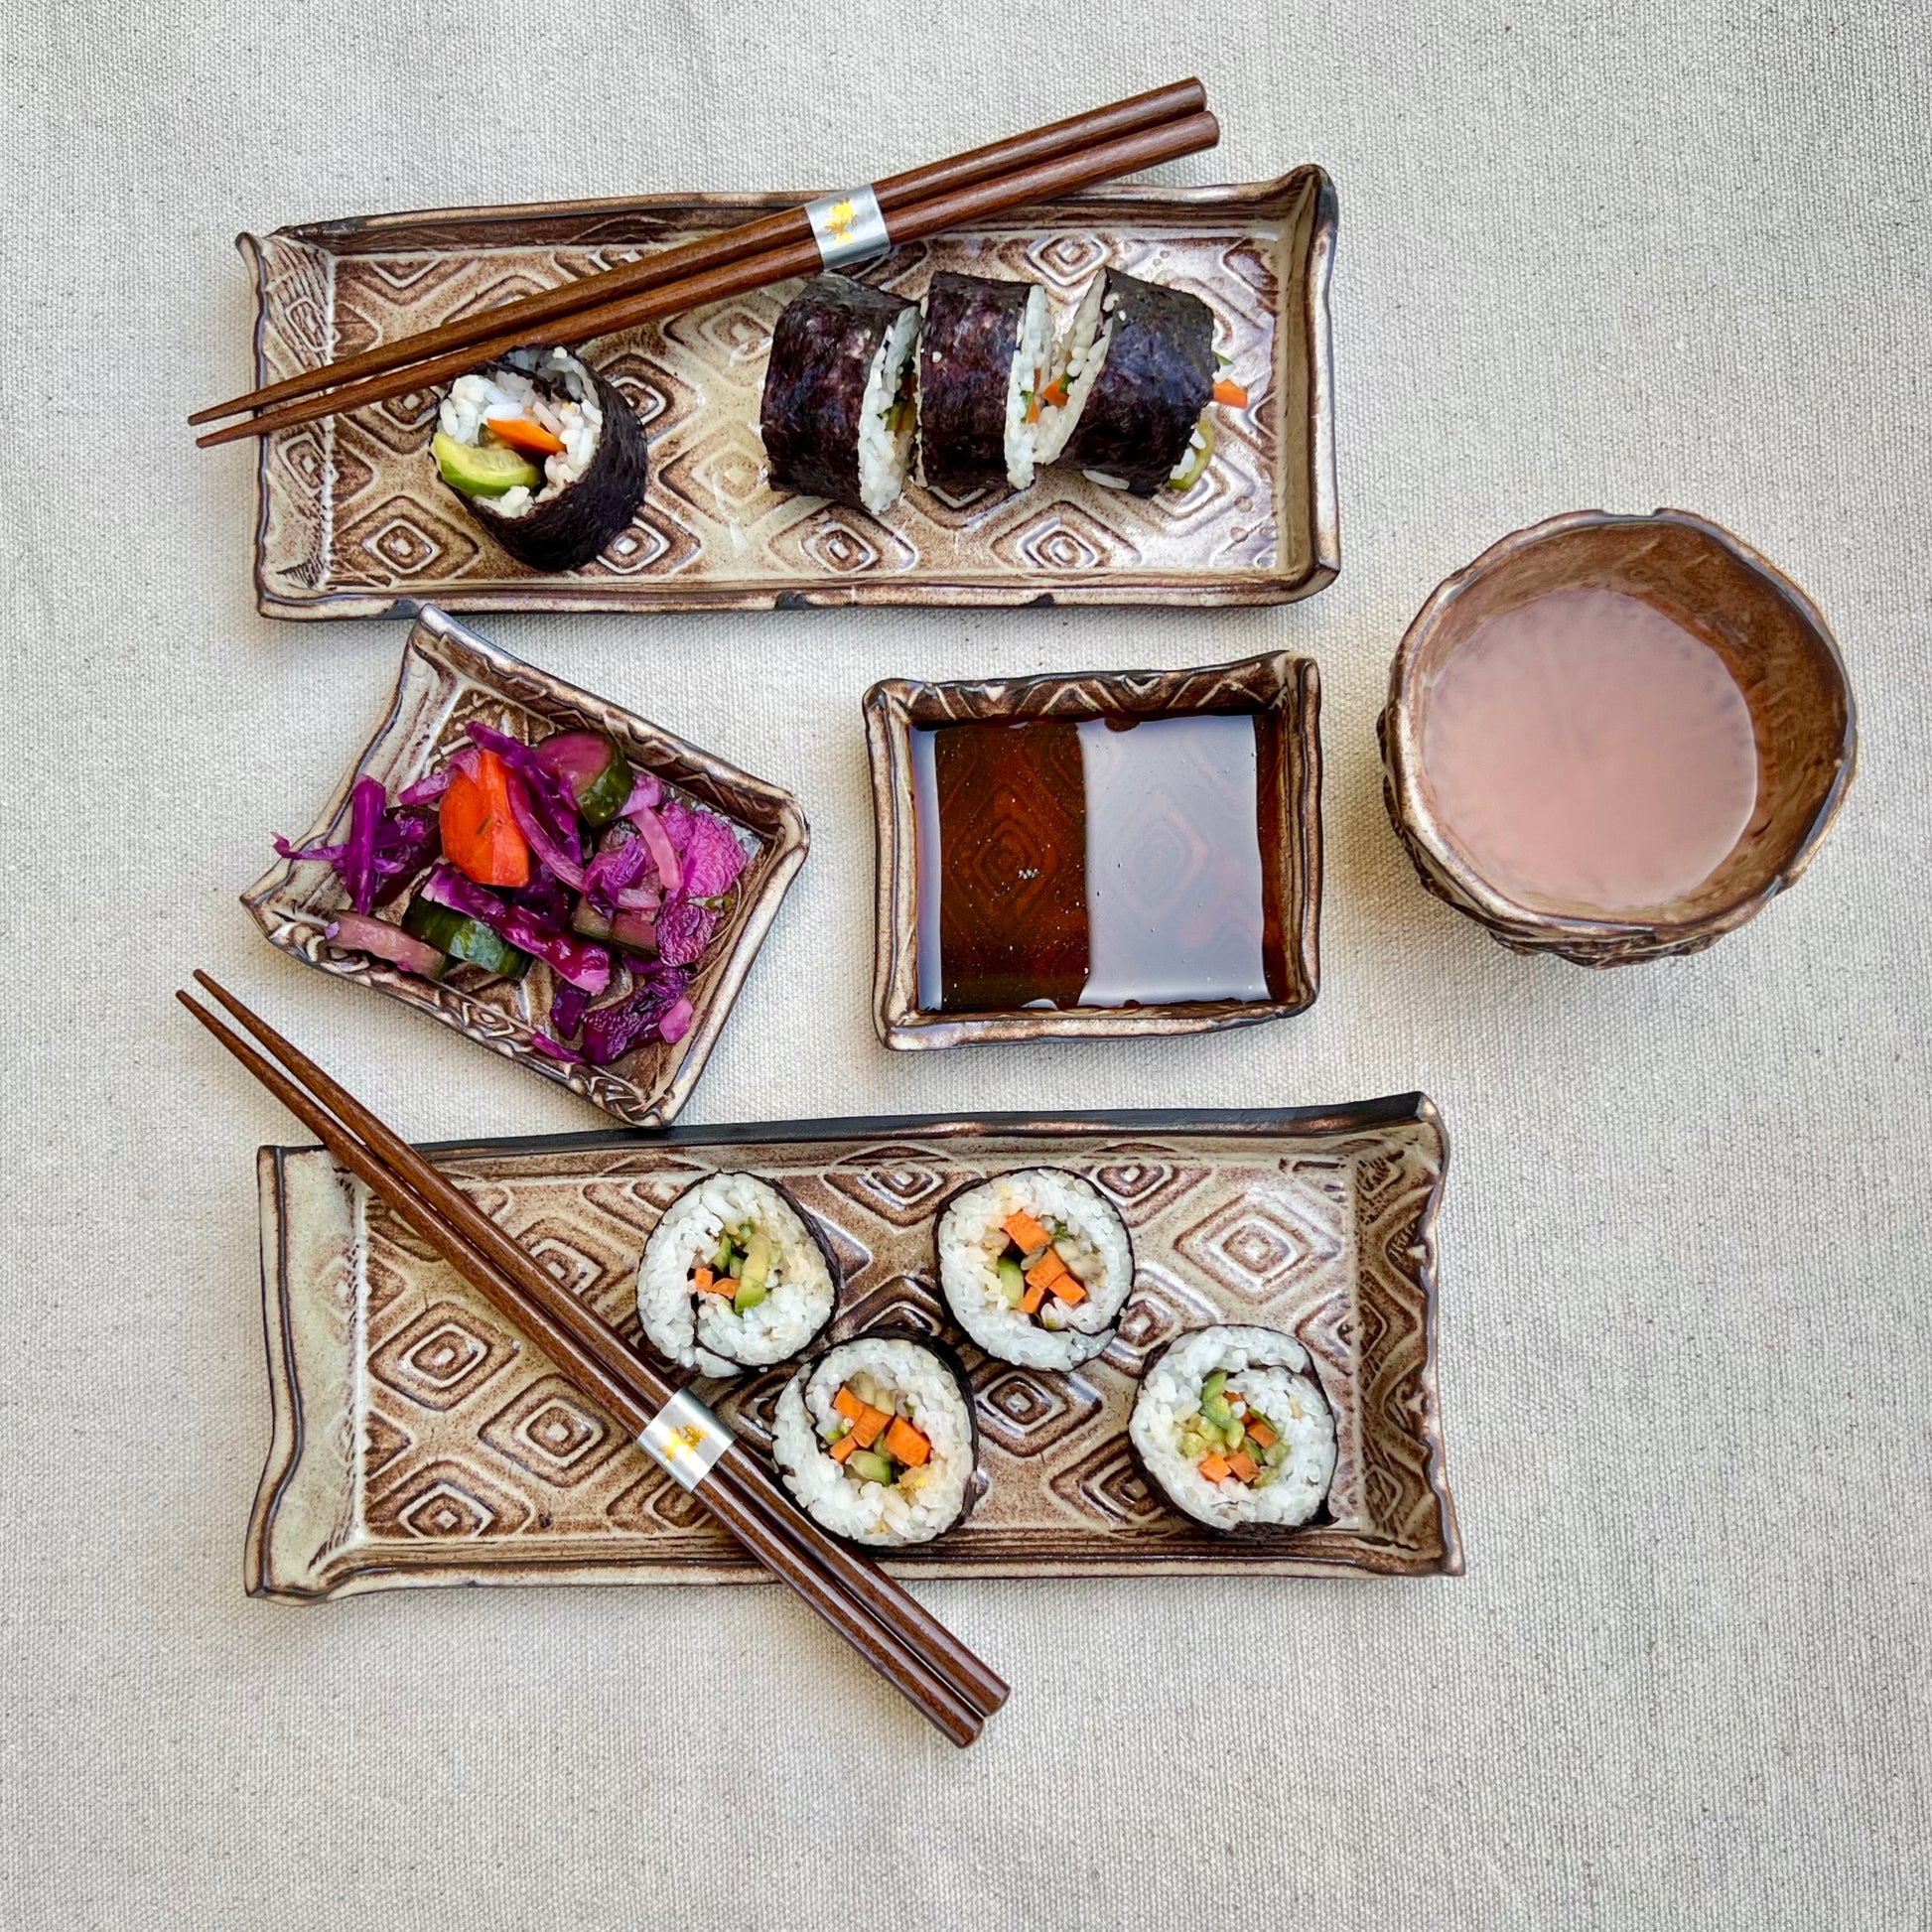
[(1118, 139), (903, 1642)]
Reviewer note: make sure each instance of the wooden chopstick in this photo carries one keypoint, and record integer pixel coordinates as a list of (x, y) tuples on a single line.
[(1037, 182), (679, 263), (529, 1297), (937, 1646)]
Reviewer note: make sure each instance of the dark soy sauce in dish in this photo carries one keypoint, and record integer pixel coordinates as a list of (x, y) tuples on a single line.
[(1096, 863)]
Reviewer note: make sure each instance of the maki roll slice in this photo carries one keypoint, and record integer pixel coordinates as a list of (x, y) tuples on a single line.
[(1132, 382), (1233, 1426), (1035, 1266), (544, 454), (836, 415), (877, 1442), (983, 350), (733, 1278)]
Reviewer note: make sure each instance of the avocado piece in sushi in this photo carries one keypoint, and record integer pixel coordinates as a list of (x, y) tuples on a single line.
[(1130, 384), (544, 454), (983, 349), (1035, 1264), (1232, 1425), (878, 1442), (733, 1278), (837, 410)]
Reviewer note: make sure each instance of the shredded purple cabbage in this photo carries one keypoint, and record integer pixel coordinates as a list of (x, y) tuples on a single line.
[(676, 1023), (368, 802), (549, 796), (664, 855), (610, 1032), (407, 842), (556, 1049), (684, 929), (567, 1010), (647, 792), (619, 862), (545, 895), (577, 962), (713, 857), (566, 861), (426, 792)]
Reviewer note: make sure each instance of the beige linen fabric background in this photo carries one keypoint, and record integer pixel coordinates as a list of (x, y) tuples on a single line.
[(1665, 251)]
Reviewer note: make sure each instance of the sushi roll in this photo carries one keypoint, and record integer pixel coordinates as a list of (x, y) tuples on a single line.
[(544, 454), (836, 415), (983, 349), (733, 1278), (877, 1442), (1233, 1426), (1132, 380), (1035, 1266)]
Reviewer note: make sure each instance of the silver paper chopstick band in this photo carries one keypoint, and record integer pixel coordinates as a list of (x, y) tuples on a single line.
[(848, 227), (686, 1438)]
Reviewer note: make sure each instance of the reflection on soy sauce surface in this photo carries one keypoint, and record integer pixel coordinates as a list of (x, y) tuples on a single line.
[(1096, 863)]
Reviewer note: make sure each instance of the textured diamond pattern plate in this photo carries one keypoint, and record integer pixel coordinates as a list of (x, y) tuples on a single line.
[(354, 522), (418, 1439)]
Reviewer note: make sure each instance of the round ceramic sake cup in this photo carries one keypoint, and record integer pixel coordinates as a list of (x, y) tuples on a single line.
[(1777, 648)]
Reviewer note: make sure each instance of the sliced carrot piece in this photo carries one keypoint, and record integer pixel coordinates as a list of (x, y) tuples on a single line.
[(866, 1429), (1055, 392), (1030, 1301), (480, 833), (1244, 1466), (848, 1404), (1259, 1432), (1230, 393), (1032, 410), (905, 1443), (701, 1279), (1215, 1467), (522, 434), (1025, 1232), (844, 1447), (725, 1284)]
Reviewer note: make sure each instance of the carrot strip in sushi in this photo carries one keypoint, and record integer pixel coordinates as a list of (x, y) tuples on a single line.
[(905, 1443), (1025, 1232), (842, 1447), (522, 434)]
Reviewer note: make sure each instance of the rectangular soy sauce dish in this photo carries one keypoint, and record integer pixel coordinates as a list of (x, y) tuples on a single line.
[(1279, 692), (450, 676), (353, 521), (419, 1440)]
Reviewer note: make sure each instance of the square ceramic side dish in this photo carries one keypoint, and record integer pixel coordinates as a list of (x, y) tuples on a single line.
[(451, 679), (354, 522), (1109, 854)]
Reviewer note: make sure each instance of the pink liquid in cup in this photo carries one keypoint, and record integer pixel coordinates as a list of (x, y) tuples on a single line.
[(1586, 751)]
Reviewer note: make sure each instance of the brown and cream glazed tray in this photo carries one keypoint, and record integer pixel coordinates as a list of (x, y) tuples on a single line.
[(353, 521), (418, 1440)]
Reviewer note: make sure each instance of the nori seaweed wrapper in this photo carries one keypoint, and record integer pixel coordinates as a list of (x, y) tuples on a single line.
[(966, 349), (1157, 378), (814, 398), (577, 524)]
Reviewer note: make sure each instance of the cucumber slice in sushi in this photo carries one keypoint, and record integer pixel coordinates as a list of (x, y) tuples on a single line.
[(463, 938), (587, 485)]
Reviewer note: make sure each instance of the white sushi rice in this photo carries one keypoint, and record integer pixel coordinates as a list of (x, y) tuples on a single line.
[(889, 1374), (703, 1331), (1082, 357), (512, 390), (1269, 1372), (971, 1238), (1023, 382), (884, 451)]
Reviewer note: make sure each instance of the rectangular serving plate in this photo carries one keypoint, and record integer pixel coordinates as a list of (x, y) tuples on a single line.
[(419, 1440), (450, 677), (1285, 689), (353, 521)]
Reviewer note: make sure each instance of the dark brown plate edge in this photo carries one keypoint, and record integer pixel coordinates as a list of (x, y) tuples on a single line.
[(1277, 196), (790, 841), (1277, 681), (348, 1575)]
